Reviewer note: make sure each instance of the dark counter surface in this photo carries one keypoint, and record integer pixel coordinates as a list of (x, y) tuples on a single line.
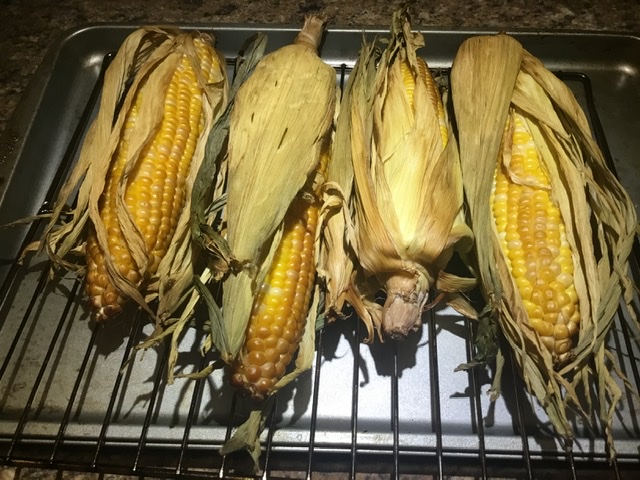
[(30, 26)]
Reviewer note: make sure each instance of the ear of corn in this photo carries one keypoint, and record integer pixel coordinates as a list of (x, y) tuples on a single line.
[(553, 226), (281, 119), (407, 188), (138, 162), (533, 238), (155, 190), (279, 312), (281, 124)]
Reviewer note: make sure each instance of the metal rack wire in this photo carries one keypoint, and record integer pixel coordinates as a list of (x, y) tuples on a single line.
[(54, 363)]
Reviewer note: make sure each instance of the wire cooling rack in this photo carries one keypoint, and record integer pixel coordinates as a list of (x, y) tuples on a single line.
[(74, 396)]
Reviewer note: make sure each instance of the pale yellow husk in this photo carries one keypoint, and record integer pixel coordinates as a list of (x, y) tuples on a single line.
[(337, 267), (149, 54), (490, 76), (407, 188)]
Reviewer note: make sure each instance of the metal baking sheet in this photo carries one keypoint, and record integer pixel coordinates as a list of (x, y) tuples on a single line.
[(66, 385)]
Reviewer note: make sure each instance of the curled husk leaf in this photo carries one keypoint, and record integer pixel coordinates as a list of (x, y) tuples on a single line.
[(490, 76)]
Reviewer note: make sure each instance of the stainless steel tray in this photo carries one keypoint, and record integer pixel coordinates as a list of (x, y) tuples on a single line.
[(68, 398)]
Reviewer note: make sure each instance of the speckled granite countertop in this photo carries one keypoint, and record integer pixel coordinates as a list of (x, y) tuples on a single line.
[(30, 26)]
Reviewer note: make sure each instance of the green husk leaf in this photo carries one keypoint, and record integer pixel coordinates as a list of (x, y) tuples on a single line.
[(485, 341), (215, 316), (205, 202), (496, 385)]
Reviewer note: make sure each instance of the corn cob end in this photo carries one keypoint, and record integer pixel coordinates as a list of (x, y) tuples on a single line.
[(311, 33), (407, 295), (105, 301)]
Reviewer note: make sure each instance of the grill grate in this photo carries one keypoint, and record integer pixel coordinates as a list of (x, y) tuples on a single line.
[(71, 397)]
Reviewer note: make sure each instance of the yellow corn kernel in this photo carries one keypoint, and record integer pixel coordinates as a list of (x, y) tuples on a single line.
[(424, 75), (536, 233), (154, 195), (280, 309)]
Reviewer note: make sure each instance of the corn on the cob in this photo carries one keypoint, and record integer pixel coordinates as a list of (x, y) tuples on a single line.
[(273, 155), (280, 126), (408, 189), (553, 226), (280, 309), (154, 193), (533, 237), (134, 175)]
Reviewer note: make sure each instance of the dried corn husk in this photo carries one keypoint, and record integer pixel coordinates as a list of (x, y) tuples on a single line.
[(407, 187), (490, 75), (149, 54), (337, 262)]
